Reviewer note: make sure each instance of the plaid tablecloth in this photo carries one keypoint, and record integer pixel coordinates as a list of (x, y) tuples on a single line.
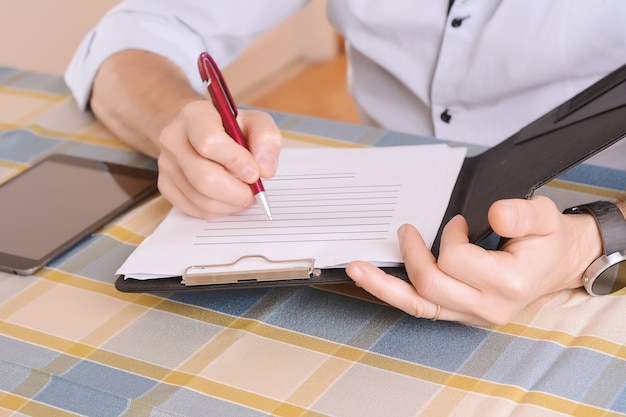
[(71, 344)]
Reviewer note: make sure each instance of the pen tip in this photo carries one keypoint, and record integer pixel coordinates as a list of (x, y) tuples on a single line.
[(261, 198)]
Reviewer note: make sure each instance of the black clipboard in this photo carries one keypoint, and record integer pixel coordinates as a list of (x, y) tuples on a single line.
[(561, 139)]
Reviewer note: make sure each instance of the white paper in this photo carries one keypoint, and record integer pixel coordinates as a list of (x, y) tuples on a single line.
[(335, 205)]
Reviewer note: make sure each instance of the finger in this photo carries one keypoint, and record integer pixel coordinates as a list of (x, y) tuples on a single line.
[(177, 189), (499, 278), (470, 264), (203, 128), (390, 289), (427, 275), (514, 218), (188, 206), (188, 200), (418, 260), (264, 139), (400, 294), (200, 180), (211, 181)]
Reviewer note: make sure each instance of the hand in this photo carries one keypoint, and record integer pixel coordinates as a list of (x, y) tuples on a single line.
[(547, 252), (203, 171)]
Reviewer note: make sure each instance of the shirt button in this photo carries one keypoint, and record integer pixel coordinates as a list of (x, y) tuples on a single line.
[(446, 116), (457, 22)]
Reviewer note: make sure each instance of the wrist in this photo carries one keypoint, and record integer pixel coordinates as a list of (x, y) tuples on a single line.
[(607, 272), (585, 244), (136, 94)]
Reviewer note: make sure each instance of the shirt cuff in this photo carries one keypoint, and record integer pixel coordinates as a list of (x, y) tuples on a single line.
[(123, 29)]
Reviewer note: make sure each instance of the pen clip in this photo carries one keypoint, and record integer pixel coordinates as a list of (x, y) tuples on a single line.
[(209, 71)]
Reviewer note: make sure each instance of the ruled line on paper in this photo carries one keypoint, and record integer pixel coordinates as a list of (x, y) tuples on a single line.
[(311, 214)]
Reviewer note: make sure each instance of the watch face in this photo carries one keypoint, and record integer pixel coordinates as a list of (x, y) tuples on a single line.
[(611, 279)]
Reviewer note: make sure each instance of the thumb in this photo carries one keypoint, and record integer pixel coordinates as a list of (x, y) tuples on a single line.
[(516, 218), (264, 139)]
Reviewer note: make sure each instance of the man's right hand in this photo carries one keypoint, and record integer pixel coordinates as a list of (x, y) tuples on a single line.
[(203, 171), (148, 102)]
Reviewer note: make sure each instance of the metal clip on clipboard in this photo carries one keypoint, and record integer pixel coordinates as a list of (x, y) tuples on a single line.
[(251, 268)]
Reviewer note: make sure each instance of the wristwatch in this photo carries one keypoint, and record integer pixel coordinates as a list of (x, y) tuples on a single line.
[(607, 274)]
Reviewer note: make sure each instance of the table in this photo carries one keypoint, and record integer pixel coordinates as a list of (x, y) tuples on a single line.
[(71, 344)]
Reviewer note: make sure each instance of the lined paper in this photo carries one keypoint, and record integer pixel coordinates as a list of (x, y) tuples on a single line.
[(332, 205), (306, 211)]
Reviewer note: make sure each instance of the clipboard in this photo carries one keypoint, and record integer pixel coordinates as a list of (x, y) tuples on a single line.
[(222, 277), (561, 139)]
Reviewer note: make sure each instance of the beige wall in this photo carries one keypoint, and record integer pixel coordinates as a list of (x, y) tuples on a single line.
[(42, 35)]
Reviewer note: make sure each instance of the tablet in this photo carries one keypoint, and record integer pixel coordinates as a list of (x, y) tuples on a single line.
[(59, 201)]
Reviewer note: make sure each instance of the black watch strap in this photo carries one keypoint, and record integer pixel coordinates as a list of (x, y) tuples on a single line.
[(611, 223)]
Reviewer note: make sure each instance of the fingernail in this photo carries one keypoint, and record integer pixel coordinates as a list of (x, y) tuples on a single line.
[(354, 272), (401, 231), (249, 175), (267, 162), (508, 213)]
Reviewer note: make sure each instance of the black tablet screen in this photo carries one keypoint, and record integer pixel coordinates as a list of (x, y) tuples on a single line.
[(60, 200)]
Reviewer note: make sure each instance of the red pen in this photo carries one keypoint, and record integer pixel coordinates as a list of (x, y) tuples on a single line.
[(223, 101)]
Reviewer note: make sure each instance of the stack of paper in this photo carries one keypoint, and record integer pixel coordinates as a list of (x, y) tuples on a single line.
[(333, 205)]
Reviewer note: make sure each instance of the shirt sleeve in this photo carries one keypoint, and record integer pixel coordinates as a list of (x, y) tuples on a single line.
[(177, 29)]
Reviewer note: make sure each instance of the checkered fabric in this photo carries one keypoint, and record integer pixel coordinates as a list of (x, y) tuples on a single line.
[(70, 344)]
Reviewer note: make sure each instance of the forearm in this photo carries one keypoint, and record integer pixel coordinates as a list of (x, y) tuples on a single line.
[(136, 94)]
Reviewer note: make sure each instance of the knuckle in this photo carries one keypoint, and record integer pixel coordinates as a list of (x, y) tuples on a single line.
[(426, 287), (205, 184), (515, 288), (417, 308), (451, 261), (207, 145), (446, 261)]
